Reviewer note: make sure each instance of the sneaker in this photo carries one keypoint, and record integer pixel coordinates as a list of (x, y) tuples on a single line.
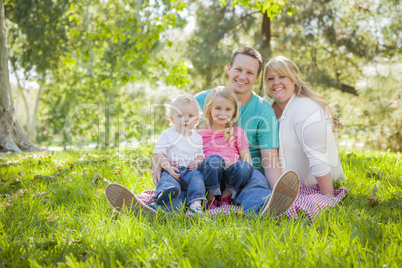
[(212, 204), (166, 195), (119, 197), (226, 201), (194, 208), (283, 195)]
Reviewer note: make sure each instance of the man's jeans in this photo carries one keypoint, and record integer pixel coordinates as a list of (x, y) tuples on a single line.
[(190, 183), (216, 178), (251, 197)]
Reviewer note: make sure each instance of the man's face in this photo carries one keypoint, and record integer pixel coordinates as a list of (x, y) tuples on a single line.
[(243, 74)]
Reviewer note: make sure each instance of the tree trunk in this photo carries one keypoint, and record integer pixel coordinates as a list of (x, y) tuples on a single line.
[(266, 36), (11, 136), (265, 45)]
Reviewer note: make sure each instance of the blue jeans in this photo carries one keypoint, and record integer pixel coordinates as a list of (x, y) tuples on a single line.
[(251, 197), (234, 178), (190, 183)]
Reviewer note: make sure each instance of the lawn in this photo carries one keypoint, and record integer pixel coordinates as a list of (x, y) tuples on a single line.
[(53, 213)]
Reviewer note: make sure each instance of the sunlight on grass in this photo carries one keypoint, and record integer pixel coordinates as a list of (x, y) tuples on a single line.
[(54, 213)]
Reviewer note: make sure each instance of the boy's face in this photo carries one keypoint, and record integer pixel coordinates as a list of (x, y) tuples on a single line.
[(185, 116)]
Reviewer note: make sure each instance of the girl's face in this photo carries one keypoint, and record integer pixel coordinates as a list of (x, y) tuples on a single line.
[(222, 111)]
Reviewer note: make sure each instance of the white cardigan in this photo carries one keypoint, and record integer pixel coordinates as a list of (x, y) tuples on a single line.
[(307, 143)]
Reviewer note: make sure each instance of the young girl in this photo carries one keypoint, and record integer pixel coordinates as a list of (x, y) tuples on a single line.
[(223, 144)]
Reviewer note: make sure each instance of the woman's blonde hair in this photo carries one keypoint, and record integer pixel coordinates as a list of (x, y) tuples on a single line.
[(227, 94), (284, 66)]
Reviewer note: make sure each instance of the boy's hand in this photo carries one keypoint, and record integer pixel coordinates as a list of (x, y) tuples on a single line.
[(193, 165), (174, 172)]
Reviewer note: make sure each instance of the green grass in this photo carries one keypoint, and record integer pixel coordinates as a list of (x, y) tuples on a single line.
[(53, 213)]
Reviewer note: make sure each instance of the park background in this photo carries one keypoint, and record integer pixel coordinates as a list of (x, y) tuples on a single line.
[(97, 73), (92, 77)]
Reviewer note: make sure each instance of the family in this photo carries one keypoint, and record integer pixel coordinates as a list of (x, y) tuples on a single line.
[(247, 151)]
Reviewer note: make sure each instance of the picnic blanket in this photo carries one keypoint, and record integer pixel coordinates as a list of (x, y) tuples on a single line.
[(309, 202)]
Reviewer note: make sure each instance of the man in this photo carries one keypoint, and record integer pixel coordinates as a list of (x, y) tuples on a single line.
[(258, 120)]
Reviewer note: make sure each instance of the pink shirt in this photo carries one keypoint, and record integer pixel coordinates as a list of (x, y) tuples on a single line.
[(215, 143)]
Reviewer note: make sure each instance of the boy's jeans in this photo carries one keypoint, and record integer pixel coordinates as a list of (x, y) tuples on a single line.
[(190, 183), (216, 178)]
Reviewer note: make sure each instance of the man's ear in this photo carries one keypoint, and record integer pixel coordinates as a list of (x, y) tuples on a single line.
[(258, 76), (228, 68)]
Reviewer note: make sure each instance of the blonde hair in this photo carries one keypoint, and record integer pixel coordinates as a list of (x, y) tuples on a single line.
[(284, 66), (182, 98), (227, 94)]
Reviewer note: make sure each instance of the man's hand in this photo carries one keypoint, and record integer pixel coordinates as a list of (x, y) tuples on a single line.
[(174, 172)]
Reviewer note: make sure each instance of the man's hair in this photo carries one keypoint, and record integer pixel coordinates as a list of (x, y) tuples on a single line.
[(248, 51)]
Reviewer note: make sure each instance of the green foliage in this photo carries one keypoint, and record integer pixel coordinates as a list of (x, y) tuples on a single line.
[(272, 7), (375, 118), (36, 34), (54, 213), (102, 46)]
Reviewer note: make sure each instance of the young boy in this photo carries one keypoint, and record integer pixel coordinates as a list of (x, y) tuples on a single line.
[(183, 145)]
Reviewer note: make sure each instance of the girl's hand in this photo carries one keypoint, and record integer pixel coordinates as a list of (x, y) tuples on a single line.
[(228, 164), (174, 172)]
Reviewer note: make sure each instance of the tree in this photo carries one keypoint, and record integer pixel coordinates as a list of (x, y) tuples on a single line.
[(11, 135), (222, 26), (86, 51)]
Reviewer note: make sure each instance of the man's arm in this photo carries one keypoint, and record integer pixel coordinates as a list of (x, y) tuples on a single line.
[(156, 171), (160, 161), (271, 165)]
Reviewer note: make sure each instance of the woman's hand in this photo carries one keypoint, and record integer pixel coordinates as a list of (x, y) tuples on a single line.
[(325, 184)]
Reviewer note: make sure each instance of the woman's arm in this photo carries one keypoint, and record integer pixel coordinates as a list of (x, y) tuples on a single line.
[(325, 183), (314, 131)]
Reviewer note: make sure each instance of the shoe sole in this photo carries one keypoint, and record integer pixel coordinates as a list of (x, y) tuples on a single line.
[(284, 194), (121, 197), (167, 195)]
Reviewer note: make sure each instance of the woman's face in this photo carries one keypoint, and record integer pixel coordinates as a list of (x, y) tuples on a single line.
[(280, 87)]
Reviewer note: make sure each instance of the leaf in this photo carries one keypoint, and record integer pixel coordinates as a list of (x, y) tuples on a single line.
[(47, 245), (372, 202), (101, 191), (44, 177)]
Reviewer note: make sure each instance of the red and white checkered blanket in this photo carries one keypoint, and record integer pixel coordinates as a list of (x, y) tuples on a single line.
[(309, 201)]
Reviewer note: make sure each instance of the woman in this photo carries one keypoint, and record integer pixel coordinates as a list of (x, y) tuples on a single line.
[(306, 126)]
